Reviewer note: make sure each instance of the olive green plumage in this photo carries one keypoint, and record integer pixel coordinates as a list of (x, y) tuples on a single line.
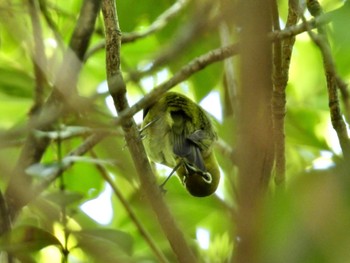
[(178, 131)]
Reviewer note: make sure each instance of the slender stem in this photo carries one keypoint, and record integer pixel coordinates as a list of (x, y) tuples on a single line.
[(321, 40), (117, 89), (282, 58), (147, 237)]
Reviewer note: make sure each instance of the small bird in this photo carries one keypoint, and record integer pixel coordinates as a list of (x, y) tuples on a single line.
[(179, 134)]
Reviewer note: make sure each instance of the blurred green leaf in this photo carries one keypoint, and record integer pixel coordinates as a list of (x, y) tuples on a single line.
[(302, 125), (84, 178), (27, 239), (341, 38), (16, 83), (106, 245), (121, 239), (64, 198)]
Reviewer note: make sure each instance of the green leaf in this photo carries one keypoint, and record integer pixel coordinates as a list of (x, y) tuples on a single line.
[(64, 198), (16, 83), (302, 127), (105, 245), (27, 239), (121, 239), (341, 38), (84, 178)]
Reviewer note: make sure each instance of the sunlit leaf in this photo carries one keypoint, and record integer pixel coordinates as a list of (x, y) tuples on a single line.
[(16, 83), (64, 198), (27, 239), (107, 245)]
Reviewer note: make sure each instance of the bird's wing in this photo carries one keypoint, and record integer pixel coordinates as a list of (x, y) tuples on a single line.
[(201, 138)]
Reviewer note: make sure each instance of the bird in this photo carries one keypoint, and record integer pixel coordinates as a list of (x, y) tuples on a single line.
[(178, 133)]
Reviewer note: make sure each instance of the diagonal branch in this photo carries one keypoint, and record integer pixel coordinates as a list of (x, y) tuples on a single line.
[(117, 90), (333, 79), (156, 26), (143, 232)]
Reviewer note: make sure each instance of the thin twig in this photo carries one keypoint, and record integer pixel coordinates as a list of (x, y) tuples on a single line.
[(294, 30), (5, 222), (187, 35), (147, 237), (332, 78), (160, 22), (184, 40), (229, 83), (39, 58)]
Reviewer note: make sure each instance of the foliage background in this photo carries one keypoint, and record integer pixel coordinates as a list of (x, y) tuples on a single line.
[(308, 222)]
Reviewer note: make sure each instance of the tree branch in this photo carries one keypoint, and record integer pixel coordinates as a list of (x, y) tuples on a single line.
[(254, 142), (117, 89), (281, 76), (143, 232), (332, 78)]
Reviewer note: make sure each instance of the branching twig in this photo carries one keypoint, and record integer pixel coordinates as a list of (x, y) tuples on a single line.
[(332, 78), (293, 30), (159, 23), (184, 40), (156, 26), (185, 37)]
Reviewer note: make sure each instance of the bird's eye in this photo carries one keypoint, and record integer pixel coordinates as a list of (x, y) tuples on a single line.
[(207, 178)]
